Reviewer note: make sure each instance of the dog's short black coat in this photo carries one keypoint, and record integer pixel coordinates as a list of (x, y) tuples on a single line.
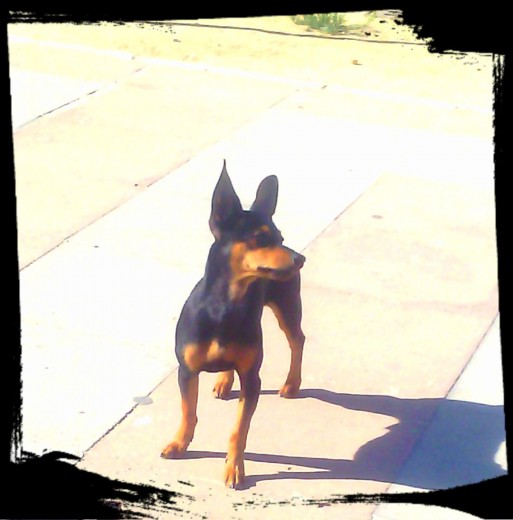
[(219, 329)]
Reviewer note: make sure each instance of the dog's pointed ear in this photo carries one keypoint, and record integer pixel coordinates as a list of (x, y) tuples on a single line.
[(267, 196), (225, 204)]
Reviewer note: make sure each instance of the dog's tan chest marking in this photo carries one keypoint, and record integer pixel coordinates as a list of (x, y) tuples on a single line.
[(197, 356)]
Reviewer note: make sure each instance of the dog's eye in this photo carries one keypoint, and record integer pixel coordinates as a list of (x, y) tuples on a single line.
[(260, 240)]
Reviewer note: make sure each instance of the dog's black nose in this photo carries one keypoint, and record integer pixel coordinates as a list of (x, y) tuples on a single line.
[(299, 260)]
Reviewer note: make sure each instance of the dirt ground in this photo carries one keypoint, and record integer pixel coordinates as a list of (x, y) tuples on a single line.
[(163, 38), (373, 48)]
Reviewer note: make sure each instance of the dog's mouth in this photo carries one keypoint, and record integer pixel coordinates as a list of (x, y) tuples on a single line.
[(283, 273)]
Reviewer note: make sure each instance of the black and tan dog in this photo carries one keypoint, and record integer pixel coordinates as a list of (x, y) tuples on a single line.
[(219, 329)]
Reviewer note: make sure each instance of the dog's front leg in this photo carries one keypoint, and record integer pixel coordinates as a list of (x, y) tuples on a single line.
[(188, 382), (250, 392)]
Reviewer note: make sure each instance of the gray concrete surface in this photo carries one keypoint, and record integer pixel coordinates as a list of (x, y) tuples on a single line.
[(465, 441), (385, 196)]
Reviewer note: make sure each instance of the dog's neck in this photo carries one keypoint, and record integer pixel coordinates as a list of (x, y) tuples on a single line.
[(221, 286)]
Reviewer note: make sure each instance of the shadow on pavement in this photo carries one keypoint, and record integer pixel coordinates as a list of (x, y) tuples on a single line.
[(460, 450)]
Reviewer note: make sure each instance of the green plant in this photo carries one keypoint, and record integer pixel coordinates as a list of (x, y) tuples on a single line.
[(331, 23)]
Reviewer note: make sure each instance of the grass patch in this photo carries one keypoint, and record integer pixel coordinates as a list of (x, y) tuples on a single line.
[(331, 23)]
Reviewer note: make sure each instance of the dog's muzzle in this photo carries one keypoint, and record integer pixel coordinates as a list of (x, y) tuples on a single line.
[(297, 262)]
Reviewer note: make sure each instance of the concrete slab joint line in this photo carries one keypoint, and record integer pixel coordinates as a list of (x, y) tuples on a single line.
[(137, 402), (310, 85), (103, 87)]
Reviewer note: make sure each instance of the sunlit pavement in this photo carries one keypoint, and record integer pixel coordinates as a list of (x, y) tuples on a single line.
[(389, 197)]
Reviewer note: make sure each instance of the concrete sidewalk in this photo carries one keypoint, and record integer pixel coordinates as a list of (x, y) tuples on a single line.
[(386, 212)]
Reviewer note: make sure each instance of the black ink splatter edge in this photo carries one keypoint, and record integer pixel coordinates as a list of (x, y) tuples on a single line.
[(49, 487)]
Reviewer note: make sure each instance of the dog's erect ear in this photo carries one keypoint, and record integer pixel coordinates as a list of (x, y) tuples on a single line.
[(225, 204), (267, 196)]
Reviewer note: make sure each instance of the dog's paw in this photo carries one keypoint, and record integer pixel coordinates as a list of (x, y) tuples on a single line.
[(289, 390), (222, 392), (174, 449), (234, 473), (223, 385)]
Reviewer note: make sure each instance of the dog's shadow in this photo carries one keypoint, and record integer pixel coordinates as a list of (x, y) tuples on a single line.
[(461, 448)]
